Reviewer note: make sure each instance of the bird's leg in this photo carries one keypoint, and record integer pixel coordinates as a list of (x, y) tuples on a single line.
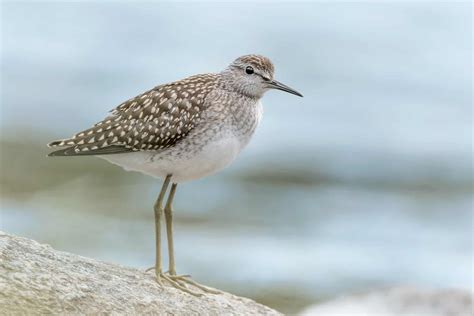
[(169, 229), (158, 208), (177, 280)]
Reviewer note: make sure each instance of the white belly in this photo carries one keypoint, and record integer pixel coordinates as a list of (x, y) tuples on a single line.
[(213, 157)]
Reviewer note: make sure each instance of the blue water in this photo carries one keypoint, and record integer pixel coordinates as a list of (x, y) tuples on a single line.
[(335, 241)]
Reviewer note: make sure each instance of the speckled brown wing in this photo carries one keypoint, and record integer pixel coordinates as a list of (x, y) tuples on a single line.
[(154, 120)]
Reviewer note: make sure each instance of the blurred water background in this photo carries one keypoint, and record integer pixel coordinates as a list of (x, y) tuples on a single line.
[(366, 182)]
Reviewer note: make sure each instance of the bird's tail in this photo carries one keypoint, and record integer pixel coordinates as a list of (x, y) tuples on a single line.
[(58, 143), (75, 148), (69, 151)]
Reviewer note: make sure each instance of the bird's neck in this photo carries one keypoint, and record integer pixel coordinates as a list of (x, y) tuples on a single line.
[(229, 82)]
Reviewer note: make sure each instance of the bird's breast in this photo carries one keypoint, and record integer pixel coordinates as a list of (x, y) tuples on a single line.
[(245, 119), (209, 148)]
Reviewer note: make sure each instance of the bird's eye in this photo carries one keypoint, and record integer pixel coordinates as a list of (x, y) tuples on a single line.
[(249, 70)]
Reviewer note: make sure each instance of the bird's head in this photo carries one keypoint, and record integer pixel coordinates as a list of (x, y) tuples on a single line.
[(252, 75)]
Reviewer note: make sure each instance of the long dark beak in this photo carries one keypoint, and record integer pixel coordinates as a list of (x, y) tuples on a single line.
[(280, 86)]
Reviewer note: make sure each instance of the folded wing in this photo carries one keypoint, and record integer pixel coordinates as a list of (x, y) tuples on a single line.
[(154, 120)]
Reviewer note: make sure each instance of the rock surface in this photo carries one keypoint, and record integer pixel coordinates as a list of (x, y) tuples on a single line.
[(35, 278), (398, 301)]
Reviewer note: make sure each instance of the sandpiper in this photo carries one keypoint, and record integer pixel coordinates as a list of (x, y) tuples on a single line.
[(181, 131)]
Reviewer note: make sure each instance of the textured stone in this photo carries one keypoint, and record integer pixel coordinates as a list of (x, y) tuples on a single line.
[(37, 279), (398, 301)]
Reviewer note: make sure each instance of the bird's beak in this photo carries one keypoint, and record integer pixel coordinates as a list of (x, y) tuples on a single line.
[(280, 86)]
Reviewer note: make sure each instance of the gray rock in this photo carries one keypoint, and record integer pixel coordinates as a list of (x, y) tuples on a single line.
[(36, 279), (398, 301)]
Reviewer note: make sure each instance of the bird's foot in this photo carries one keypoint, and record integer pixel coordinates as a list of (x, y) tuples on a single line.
[(182, 282)]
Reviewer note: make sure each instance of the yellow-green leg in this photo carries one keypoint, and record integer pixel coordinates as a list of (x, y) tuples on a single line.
[(177, 280), (169, 229), (158, 208)]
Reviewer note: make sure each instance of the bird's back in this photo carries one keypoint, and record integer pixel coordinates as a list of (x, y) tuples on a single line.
[(156, 119)]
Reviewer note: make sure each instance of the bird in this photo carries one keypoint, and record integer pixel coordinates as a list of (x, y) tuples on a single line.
[(178, 132)]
